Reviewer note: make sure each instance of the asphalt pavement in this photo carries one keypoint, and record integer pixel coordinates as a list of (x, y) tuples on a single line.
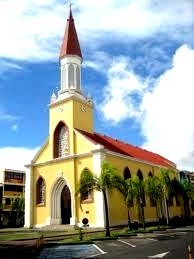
[(167, 245)]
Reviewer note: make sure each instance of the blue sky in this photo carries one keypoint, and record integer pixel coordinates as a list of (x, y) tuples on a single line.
[(138, 67)]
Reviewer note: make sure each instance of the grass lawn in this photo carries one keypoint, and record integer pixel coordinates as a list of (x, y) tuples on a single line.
[(70, 236), (18, 236)]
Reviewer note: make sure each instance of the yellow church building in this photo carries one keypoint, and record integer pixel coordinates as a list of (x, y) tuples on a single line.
[(72, 145)]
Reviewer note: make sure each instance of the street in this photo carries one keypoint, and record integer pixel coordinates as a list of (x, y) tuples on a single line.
[(172, 245)]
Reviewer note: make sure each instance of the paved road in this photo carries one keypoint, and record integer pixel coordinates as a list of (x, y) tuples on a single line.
[(172, 245)]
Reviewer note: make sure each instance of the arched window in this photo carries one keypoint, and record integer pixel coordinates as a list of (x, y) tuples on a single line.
[(176, 189), (140, 176), (152, 201), (61, 140), (40, 191), (86, 180), (126, 173), (71, 75)]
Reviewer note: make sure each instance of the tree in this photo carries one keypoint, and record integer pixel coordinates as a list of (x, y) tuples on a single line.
[(167, 188), (106, 181), (17, 209), (188, 194), (178, 190), (154, 190), (127, 193), (137, 187), (186, 190)]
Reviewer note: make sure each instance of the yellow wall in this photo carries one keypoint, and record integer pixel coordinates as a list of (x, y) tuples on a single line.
[(50, 173), (44, 154), (82, 145), (84, 209), (75, 114), (82, 116), (116, 200), (71, 172)]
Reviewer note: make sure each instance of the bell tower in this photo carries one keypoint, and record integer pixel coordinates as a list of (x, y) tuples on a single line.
[(70, 61), (70, 106)]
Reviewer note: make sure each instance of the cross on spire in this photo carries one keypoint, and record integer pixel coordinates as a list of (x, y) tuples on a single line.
[(70, 4)]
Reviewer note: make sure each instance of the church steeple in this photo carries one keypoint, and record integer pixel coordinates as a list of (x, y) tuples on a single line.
[(70, 44), (70, 62)]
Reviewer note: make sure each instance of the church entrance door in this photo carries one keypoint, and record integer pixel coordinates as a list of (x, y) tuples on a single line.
[(65, 205)]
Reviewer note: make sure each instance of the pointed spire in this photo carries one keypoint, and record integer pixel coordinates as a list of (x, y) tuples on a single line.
[(70, 44), (53, 97)]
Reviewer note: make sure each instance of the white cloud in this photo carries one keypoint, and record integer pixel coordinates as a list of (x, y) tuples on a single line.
[(14, 127), (98, 61), (164, 111), (6, 117), (167, 122), (16, 157), (31, 30), (136, 19), (119, 102), (6, 65)]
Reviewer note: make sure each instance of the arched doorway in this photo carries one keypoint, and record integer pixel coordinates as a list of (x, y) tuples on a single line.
[(61, 203), (65, 205)]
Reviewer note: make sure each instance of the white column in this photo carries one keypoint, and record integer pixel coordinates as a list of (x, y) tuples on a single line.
[(98, 198), (28, 199)]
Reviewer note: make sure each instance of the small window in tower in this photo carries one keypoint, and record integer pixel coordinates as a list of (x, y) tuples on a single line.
[(63, 72), (40, 191), (78, 77), (71, 76)]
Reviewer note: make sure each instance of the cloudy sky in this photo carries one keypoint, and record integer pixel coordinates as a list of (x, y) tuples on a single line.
[(138, 67)]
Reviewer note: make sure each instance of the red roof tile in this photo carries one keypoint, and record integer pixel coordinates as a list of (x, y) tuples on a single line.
[(70, 44), (127, 149)]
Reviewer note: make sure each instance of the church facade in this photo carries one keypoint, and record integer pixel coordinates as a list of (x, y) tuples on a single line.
[(72, 146)]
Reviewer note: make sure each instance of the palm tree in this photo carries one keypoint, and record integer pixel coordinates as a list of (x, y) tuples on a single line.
[(186, 190), (154, 190), (137, 187), (106, 181), (179, 190), (188, 194), (167, 188), (127, 193)]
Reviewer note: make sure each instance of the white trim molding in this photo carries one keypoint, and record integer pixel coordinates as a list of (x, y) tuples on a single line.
[(28, 199)]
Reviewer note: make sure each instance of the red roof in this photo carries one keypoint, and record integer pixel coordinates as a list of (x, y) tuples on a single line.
[(127, 149), (70, 44)]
